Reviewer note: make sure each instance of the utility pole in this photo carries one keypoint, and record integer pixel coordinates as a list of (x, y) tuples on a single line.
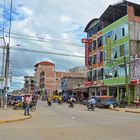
[(6, 75), (126, 82)]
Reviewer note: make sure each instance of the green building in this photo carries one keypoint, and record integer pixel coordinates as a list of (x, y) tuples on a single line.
[(111, 57)]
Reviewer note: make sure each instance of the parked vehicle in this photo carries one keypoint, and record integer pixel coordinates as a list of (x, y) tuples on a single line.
[(108, 103)]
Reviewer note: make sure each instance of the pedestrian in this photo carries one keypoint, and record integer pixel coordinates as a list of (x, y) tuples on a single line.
[(27, 105)]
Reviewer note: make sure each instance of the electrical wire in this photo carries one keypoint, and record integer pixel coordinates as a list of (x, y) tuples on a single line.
[(42, 39), (43, 52)]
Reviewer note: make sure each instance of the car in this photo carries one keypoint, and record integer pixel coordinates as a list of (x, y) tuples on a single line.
[(108, 103)]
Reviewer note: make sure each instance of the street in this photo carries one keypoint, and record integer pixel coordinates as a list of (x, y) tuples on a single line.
[(62, 123)]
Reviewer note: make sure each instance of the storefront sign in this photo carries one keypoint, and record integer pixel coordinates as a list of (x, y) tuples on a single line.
[(86, 56), (135, 71), (108, 49), (84, 40)]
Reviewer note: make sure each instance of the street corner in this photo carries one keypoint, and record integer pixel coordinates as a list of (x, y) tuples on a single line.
[(15, 119)]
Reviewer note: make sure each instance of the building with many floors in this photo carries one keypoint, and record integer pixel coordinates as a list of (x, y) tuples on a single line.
[(29, 86), (47, 80), (112, 52)]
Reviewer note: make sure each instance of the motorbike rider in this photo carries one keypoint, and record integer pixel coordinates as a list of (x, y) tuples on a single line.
[(92, 101), (71, 102)]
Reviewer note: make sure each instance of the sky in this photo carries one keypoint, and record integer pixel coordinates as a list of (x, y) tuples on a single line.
[(55, 26)]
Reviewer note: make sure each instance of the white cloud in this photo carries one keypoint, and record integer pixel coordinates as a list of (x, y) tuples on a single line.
[(65, 18), (64, 21), (65, 35)]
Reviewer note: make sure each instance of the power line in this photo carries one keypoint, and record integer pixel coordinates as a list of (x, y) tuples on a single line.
[(59, 40), (42, 52), (56, 48), (48, 41), (41, 39)]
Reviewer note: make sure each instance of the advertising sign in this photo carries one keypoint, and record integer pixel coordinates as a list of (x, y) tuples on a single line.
[(108, 49), (135, 71)]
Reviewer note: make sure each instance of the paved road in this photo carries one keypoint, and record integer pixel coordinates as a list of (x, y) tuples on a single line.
[(63, 123)]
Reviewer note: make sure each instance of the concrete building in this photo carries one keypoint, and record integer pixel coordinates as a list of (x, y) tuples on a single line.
[(29, 86), (79, 71), (112, 50), (47, 80)]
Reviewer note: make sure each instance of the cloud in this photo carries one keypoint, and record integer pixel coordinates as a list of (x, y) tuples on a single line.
[(56, 22), (65, 18)]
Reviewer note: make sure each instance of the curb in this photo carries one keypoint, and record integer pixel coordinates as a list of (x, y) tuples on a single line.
[(14, 120), (132, 111), (129, 111)]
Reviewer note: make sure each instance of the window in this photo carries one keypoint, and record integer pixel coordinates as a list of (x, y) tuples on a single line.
[(123, 30), (121, 50), (94, 45), (115, 37), (100, 41), (98, 57), (101, 56), (126, 48), (121, 71), (115, 52), (90, 47), (89, 75), (100, 74), (94, 59), (104, 56), (94, 75), (90, 60)]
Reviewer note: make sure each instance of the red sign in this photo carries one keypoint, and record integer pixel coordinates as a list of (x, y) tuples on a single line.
[(135, 82), (84, 40), (86, 56), (88, 83)]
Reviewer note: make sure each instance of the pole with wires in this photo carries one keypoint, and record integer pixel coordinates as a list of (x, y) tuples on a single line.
[(8, 58)]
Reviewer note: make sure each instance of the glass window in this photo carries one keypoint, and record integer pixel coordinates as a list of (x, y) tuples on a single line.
[(104, 56), (123, 30), (98, 57), (94, 59), (90, 47), (94, 45), (121, 71), (115, 36), (101, 56), (116, 52), (126, 48), (89, 75), (100, 74), (90, 60), (121, 50), (100, 41), (94, 75)]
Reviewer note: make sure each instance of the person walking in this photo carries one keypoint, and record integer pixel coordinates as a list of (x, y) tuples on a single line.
[(27, 105)]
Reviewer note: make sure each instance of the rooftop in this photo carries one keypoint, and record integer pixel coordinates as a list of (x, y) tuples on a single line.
[(44, 63)]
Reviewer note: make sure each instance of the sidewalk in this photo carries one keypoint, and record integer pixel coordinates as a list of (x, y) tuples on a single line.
[(10, 115), (131, 110)]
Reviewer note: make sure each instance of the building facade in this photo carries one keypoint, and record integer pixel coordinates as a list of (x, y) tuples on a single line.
[(47, 80), (112, 51), (29, 84)]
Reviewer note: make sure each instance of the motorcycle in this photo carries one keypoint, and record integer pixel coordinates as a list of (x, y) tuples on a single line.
[(71, 105), (90, 106)]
